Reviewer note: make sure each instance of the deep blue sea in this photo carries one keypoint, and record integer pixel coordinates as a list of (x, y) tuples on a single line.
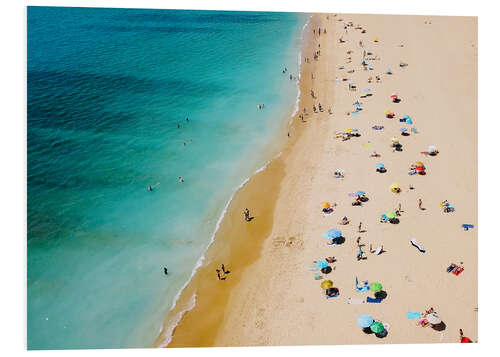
[(108, 94)]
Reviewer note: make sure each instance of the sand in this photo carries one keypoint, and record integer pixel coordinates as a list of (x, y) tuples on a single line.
[(270, 296)]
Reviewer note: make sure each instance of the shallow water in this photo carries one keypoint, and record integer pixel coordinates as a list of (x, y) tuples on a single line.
[(107, 89)]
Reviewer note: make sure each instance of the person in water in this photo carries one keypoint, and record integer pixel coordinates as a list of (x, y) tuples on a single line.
[(150, 188), (181, 179), (165, 270)]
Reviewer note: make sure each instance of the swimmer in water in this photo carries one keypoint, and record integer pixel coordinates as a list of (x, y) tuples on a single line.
[(181, 179)]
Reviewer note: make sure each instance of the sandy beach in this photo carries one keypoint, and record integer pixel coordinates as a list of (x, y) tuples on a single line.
[(270, 296)]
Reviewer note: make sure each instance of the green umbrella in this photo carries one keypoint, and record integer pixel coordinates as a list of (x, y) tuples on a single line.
[(377, 327), (391, 215), (375, 287)]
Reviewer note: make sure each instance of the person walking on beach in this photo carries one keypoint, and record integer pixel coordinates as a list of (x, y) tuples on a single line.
[(420, 203), (246, 212), (359, 227), (224, 269), (218, 273)]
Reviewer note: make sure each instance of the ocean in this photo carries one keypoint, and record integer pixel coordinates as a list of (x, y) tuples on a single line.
[(108, 93)]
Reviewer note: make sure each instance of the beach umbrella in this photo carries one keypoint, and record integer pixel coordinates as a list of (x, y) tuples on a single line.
[(433, 319), (388, 111), (325, 205), (394, 95), (357, 105), (321, 264), (388, 70), (375, 39), (408, 121), (420, 168), (327, 284), (380, 166), (332, 233), (395, 140), (420, 163), (403, 130), (394, 186), (360, 193), (375, 287), (384, 217), (406, 117), (365, 320), (367, 90), (391, 215), (431, 149), (377, 327), (348, 130)]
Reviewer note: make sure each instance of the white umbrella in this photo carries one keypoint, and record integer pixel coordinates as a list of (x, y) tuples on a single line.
[(433, 318), (431, 149)]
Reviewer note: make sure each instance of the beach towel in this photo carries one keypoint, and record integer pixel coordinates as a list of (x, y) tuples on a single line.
[(458, 270), (414, 243), (355, 301), (364, 288), (355, 113), (369, 299), (413, 315), (466, 227)]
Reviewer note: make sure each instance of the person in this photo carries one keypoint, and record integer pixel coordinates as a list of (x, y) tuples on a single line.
[(358, 240), (288, 134), (187, 119), (150, 188), (359, 227), (464, 339), (218, 273), (184, 143), (291, 77), (420, 203), (181, 179), (246, 212), (178, 126), (330, 259), (224, 269), (165, 270), (360, 254)]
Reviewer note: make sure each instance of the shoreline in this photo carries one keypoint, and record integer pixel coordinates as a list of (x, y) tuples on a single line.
[(270, 174)]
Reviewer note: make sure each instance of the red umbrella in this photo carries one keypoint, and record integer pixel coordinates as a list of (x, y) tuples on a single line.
[(420, 168), (394, 95)]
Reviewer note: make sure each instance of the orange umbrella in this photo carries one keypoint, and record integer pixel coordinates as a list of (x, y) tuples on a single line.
[(325, 204)]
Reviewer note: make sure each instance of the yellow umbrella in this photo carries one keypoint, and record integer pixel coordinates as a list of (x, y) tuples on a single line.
[(349, 130), (326, 204), (420, 163), (394, 140), (327, 284), (388, 111), (394, 187), (375, 39)]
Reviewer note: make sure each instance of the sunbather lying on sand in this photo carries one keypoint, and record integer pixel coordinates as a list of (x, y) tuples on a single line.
[(344, 221), (330, 259), (375, 154)]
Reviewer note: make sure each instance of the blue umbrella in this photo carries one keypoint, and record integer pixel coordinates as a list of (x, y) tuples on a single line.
[(380, 166), (408, 121), (357, 105), (333, 233), (365, 321), (403, 129), (367, 90), (360, 193), (406, 117), (321, 264)]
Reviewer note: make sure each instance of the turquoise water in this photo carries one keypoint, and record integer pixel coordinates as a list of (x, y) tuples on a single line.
[(107, 89)]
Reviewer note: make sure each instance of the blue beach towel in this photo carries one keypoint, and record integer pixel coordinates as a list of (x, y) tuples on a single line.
[(413, 315), (369, 299), (466, 227)]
